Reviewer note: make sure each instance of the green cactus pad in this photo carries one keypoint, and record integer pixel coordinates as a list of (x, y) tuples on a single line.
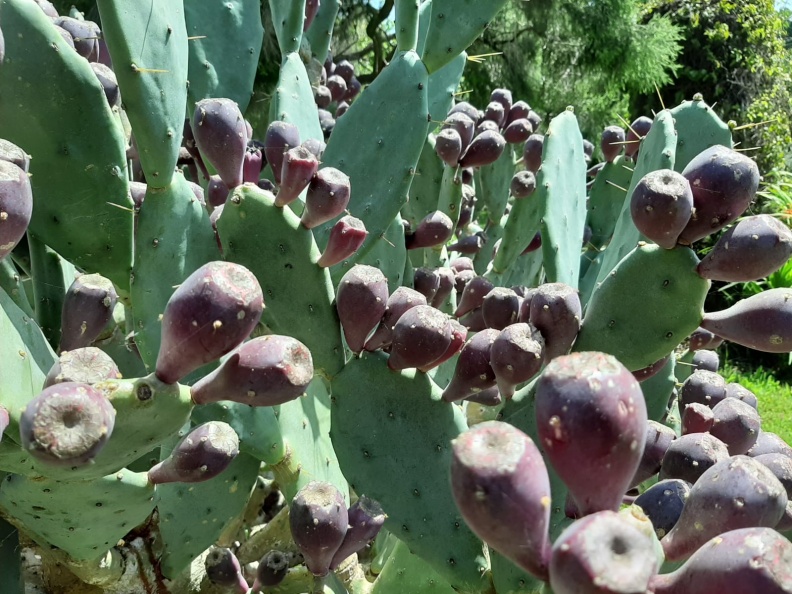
[(425, 186), (405, 572), (224, 43), (521, 225), (174, 238), (287, 19), (320, 34), (454, 25), (443, 84), (389, 254), (11, 283), (406, 25), (510, 579), (685, 367), (393, 437), (493, 184), (383, 131), (293, 99), (450, 199), (657, 390), (148, 45), (298, 294), (526, 271), (649, 303), (53, 107), (83, 518), (51, 277), (606, 199), (698, 128), (192, 516)]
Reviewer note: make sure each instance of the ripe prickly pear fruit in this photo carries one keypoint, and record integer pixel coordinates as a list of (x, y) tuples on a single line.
[(434, 229), (534, 244), (221, 136), (495, 113), (464, 107), (318, 518), (746, 560), (637, 131), (272, 569), (556, 312), (473, 295), (13, 154), (781, 466), (202, 454), (658, 439), (663, 502), (317, 147), (345, 69), (323, 97), (485, 148), (366, 519), (518, 131), (463, 125), (735, 390), (532, 152), (724, 182), (87, 308), (769, 443), (519, 111), (651, 370), (736, 424), (471, 244), (501, 487), (448, 146), (337, 87), (420, 337), (265, 371), (16, 206), (516, 356), (87, 365), (254, 163), (402, 299), (690, 455), (67, 424), (3, 421), (458, 338), (473, 372), (209, 315), (299, 166), (591, 419), (460, 264), (502, 96), (752, 249), (279, 138), (109, 82), (489, 397), (445, 287), (86, 35), (361, 300), (346, 238), (500, 308), (612, 142), (738, 492), (327, 197), (702, 339), (523, 184), (704, 387), (223, 569), (216, 192), (341, 109), (706, 360), (697, 418), (603, 553), (661, 206)]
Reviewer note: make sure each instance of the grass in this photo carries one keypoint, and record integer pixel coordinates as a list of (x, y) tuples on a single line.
[(775, 398)]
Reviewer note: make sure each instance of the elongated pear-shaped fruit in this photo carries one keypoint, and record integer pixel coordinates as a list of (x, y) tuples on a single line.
[(444, 288), (769, 443), (501, 487), (762, 322), (690, 455), (736, 424), (426, 281), (318, 518), (663, 503), (591, 419), (16, 206), (556, 312), (697, 418), (518, 131), (327, 197), (706, 360), (265, 371), (462, 125), (366, 519), (402, 299), (458, 338), (523, 184), (473, 295), (603, 553), (485, 148), (749, 560), (209, 315), (501, 308), (299, 166), (532, 152), (752, 249), (612, 142), (361, 300), (280, 137), (433, 230), (223, 569), (661, 205), (202, 454), (420, 337), (735, 493), (448, 146), (702, 339), (271, 571), (87, 307), (67, 424), (221, 136), (658, 440), (254, 163), (781, 466), (346, 237), (735, 390), (473, 372), (638, 129), (88, 365), (704, 387), (516, 356)]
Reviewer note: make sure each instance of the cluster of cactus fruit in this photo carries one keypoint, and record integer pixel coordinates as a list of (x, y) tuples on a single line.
[(290, 365)]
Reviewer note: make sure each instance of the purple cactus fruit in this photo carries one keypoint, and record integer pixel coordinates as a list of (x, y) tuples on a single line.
[(658, 440), (361, 300), (525, 306), (464, 107), (271, 571), (724, 182), (346, 237), (486, 125), (762, 322), (489, 397), (697, 418), (341, 109), (688, 456), (317, 147), (484, 149), (420, 337), (209, 315), (426, 281), (311, 8), (736, 424), (4, 419), (48, 8), (591, 419), (701, 339), (735, 493), (318, 518), (495, 113), (519, 111), (16, 206), (205, 452), (434, 230), (109, 82), (474, 321), (473, 372), (137, 191), (337, 87), (86, 36), (254, 163), (704, 387), (769, 443), (445, 287), (461, 280), (67, 424), (523, 184), (460, 264), (612, 142), (735, 390), (472, 244), (198, 193), (663, 503), (353, 89), (87, 308), (323, 97), (781, 466), (13, 154), (462, 125), (299, 166), (532, 152), (327, 197), (636, 132), (503, 97), (661, 205), (279, 138), (556, 312), (473, 295), (501, 487), (516, 356), (518, 131), (216, 192), (265, 371), (221, 136), (448, 146), (223, 569), (500, 308), (88, 365), (402, 299), (534, 244), (746, 560), (458, 338), (366, 519), (652, 370), (706, 360), (534, 118), (603, 553), (345, 70)]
